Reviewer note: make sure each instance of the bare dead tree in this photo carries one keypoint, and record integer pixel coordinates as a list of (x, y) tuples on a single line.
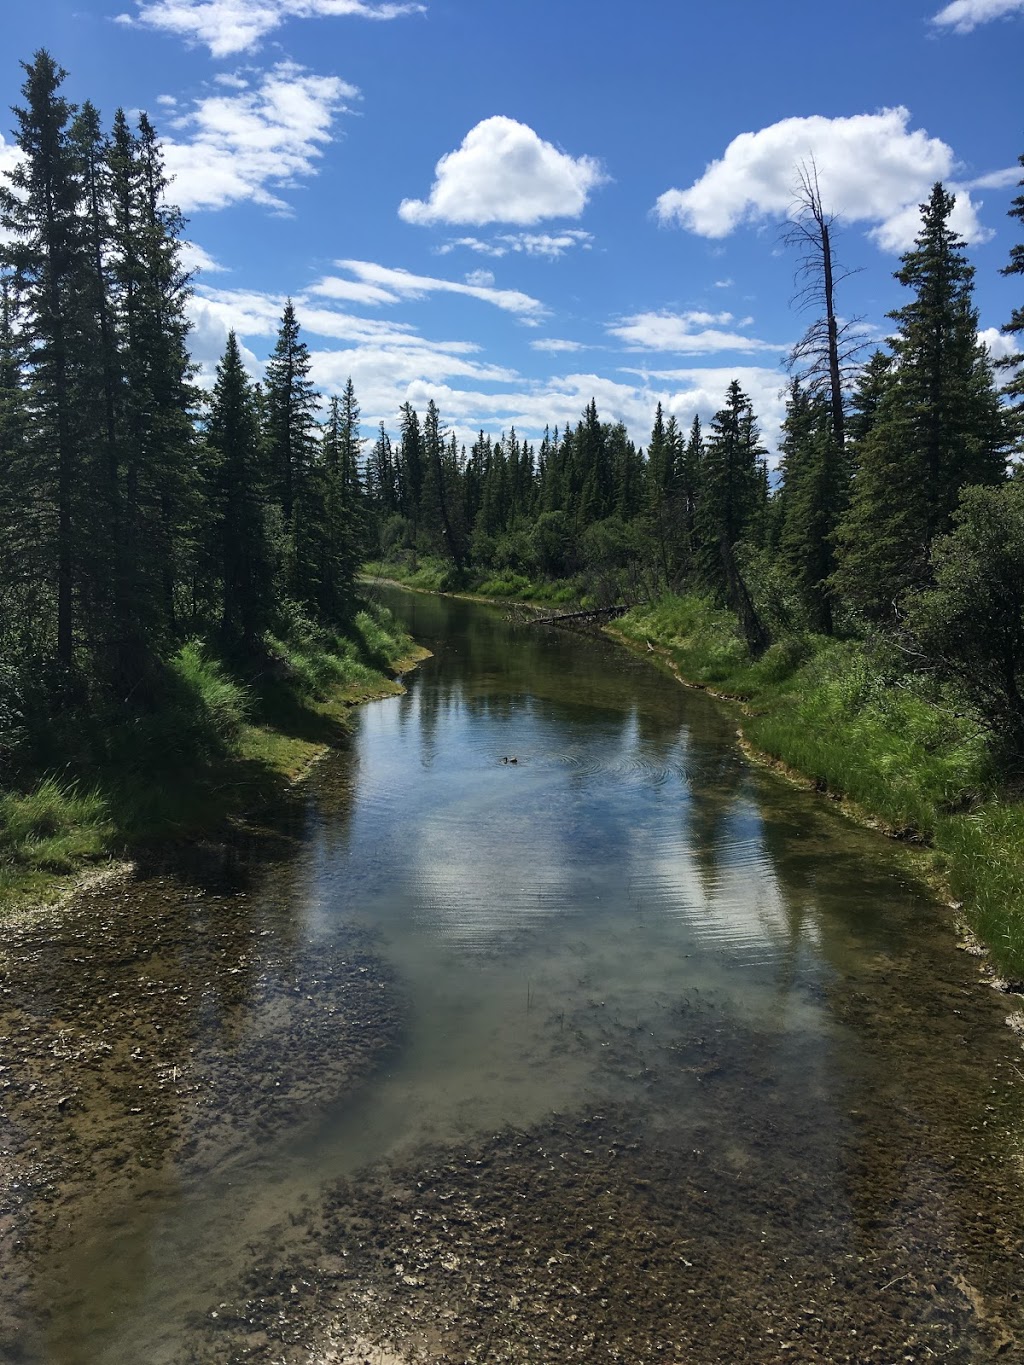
[(828, 351)]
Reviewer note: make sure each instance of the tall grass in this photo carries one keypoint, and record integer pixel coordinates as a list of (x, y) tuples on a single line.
[(53, 828), (858, 725)]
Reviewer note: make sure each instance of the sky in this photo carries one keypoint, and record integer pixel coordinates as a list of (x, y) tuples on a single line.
[(514, 206)]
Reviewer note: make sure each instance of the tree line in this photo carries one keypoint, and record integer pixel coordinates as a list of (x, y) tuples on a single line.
[(875, 455), (135, 511)]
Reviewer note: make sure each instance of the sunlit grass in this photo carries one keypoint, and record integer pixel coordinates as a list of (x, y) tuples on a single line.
[(898, 746), (211, 745)]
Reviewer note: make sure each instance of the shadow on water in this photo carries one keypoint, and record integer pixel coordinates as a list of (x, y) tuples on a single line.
[(625, 1051)]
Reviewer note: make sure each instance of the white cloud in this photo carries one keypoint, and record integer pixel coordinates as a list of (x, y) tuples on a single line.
[(702, 391), (963, 15), (692, 333), (388, 285), (724, 284), (999, 344), (230, 26), (872, 168), (261, 139), (484, 278), (556, 346), (197, 258), (547, 244), (996, 180), (390, 364), (505, 173)]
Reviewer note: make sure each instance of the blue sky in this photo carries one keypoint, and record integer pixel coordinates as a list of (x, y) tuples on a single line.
[(511, 206)]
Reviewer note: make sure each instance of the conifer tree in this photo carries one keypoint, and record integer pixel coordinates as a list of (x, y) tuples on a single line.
[(291, 405), (1014, 388), (46, 251), (237, 488), (730, 491), (936, 427), (811, 501)]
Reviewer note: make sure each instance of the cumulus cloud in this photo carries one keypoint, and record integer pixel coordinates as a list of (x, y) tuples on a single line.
[(964, 15), (384, 284), (231, 26), (873, 168), (391, 363), (999, 344), (690, 333), (505, 173), (548, 244), (251, 144), (481, 278), (701, 391)]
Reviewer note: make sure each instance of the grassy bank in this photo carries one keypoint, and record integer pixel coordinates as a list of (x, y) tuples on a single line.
[(214, 749), (849, 717)]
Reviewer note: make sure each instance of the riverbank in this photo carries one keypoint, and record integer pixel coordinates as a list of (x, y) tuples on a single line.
[(896, 751), (847, 720), (221, 751)]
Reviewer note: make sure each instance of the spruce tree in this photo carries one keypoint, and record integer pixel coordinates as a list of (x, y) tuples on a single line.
[(730, 495), (935, 429), (1014, 388), (812, 498), (46, 251), (291, 405), (237, 482)]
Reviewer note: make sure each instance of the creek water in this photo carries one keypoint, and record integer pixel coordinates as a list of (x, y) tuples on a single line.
[(569, 900)]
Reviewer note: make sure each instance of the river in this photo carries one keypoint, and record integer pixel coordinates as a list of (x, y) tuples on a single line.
[(540, 1025)]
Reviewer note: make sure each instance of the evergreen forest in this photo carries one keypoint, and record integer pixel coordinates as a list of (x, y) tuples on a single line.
[(172, 557)]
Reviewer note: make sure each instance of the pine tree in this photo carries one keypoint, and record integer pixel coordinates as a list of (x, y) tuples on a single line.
[(730, 492), (936, 428), (41, 210), (291, 406), (1014, 388), (237, 488)]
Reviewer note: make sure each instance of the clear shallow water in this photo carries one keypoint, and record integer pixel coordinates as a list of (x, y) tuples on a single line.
[(626, 911)]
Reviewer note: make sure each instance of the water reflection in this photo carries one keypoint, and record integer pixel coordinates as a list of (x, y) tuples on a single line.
[(630, 917)]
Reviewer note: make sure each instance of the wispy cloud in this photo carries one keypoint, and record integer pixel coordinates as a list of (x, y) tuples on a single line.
[(505, 173), (249, 145), (228, 27), (556, 345), (382, 284), (873, 169), (964, 15), (547, 244), (691, 333)]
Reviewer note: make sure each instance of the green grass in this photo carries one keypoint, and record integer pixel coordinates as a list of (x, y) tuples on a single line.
[(855, 723), (55, 827), (210, 747)]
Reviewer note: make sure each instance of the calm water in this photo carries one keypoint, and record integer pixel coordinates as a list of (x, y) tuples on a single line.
[(562, 930)]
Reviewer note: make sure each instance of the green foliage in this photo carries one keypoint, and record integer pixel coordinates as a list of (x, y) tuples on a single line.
[(935, 426), (53, 828), (981, 853), (970, 624)]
